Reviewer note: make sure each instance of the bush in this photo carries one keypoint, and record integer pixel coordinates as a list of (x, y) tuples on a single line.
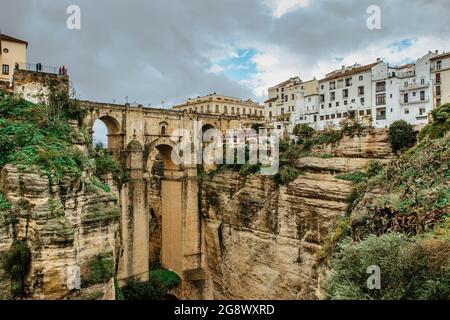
[(411, 269), (105, 164), (100, 269), (303, 130), (249, 169), (156, 288), (440, 125), (401, 136), (16, 264), (286, 175), (355, 177)]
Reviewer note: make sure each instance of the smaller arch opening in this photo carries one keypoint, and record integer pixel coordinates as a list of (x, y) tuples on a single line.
[(163, 128)]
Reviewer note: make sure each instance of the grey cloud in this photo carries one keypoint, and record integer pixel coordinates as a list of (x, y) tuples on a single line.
[(159, 50)]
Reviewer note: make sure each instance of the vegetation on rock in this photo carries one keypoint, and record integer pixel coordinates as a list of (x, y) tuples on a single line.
[(399, 221), (160, 282), (401, 135), (16, 264)]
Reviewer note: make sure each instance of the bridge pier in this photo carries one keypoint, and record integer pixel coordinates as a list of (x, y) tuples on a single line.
[(181, 245)]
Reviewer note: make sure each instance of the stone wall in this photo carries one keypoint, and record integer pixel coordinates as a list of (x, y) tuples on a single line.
[(35, 86)]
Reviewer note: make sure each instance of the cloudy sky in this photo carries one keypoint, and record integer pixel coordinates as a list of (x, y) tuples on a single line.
[(169, 50)]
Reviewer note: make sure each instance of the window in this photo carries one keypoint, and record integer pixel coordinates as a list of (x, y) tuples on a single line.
[(405, 98), (217, 109), (414, 94), (332, 96), (361, 78), (438, 102), (329, 105), (5, 69), (345, 93), (422, 95), (270, 105), (225, 109), (345, 102), (438, 78), (381, 86), (208, 108), (293, 96), (369, 112), (270, 114), (406, 111), (282, 96), (337, 104), (439, 65), (339, 115), (422, 81), (322, 118), (438, 90), (361, 112), (333, 116), (293, 109), (309, 99), (322, 86), (238, 111), (322, 98), (361, 90), (348, 82), (381, 114), (327, 117), (282, 110), (422, 111), (6, 50), (332, 85), (381, 99), (363, 101)]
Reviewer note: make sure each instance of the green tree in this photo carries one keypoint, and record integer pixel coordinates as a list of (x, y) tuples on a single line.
[(401, 135)]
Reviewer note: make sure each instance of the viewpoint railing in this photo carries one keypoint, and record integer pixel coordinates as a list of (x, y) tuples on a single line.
[(37, 67)]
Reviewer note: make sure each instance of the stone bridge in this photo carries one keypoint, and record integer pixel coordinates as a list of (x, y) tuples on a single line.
[(136, 136)]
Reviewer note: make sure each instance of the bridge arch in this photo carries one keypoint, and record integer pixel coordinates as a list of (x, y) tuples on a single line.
[(113, 135)]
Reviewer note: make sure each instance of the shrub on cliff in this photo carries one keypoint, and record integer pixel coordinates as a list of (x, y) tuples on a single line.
[(16, 264), (440, 125), (27, 137), (401, 135), (411, 269), (156, 288), (100, 269)]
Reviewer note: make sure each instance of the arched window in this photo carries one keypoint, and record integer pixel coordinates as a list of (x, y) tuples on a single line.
[(163, 128)]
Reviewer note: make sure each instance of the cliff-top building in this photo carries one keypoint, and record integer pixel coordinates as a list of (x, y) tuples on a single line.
[(220, 104), (376, 95), (13, 52)]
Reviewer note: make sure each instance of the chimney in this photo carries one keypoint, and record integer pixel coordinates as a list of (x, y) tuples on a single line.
[(378, 59)]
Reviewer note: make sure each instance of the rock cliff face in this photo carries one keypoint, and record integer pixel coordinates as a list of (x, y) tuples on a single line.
[(65, 225), (261, 240)]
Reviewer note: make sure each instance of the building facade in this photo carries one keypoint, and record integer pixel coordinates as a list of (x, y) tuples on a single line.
[(440, 74), (220, 104), (375, 95), (292, 101), (13, 52)]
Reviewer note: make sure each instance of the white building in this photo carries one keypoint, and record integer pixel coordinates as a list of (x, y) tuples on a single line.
[(375, 94), (290, 102), (345, 93)]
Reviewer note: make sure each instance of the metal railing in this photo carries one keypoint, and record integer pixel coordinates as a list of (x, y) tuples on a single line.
[(33, 67)]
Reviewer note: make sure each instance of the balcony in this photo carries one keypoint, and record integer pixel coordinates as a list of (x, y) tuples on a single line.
[(415, 86), (409, 101)]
